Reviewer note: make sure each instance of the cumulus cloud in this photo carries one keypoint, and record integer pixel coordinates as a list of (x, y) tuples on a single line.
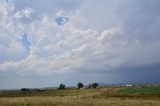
[(113, 36), (24, 13), (10, 29)]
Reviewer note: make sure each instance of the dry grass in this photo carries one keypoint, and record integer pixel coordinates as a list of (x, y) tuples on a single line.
[(73, 101), (87, 97)]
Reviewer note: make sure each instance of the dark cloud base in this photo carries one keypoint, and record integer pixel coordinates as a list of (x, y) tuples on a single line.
[(132, 75)]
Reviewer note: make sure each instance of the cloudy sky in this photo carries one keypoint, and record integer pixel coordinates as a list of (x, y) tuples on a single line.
[(48, 42)]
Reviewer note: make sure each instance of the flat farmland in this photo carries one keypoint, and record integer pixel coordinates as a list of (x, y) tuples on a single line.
[(84, 97), (140, 90)]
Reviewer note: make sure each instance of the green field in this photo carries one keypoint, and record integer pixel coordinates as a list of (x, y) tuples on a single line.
[(140, 90)]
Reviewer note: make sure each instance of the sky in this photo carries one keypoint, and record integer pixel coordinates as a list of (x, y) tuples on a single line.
[(47, 42)]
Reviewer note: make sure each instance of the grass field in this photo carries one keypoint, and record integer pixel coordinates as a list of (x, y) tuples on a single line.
[(86, 97), (140, 90), (66, 92), (71, 101)]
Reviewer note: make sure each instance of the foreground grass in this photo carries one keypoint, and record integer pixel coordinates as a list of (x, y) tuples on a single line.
[(72, 101), (86, 97), (140, 90)]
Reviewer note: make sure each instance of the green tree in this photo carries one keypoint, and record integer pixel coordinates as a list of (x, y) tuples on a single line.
[(80, 85), (90, 86), (94, 85), (62, 86), (24, 89)]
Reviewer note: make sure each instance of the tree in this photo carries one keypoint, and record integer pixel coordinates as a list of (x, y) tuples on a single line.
[(24, 89), (80, 85), (94, 85), (90, 86), (62, 86)]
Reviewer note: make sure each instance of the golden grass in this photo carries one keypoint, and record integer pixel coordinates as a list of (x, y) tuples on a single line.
[(87, 97), (73, 101), (66, 92)]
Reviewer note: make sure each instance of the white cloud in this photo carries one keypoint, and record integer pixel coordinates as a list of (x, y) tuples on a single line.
[(24, 13), (10, 29), (95, 39)]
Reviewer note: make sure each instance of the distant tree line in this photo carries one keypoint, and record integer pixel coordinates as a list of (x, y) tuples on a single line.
[(62, 86), (80, 85), (24, 90), (93, 85)]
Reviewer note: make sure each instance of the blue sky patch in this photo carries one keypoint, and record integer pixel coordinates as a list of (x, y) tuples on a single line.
[(61, 20), (25, 42)]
